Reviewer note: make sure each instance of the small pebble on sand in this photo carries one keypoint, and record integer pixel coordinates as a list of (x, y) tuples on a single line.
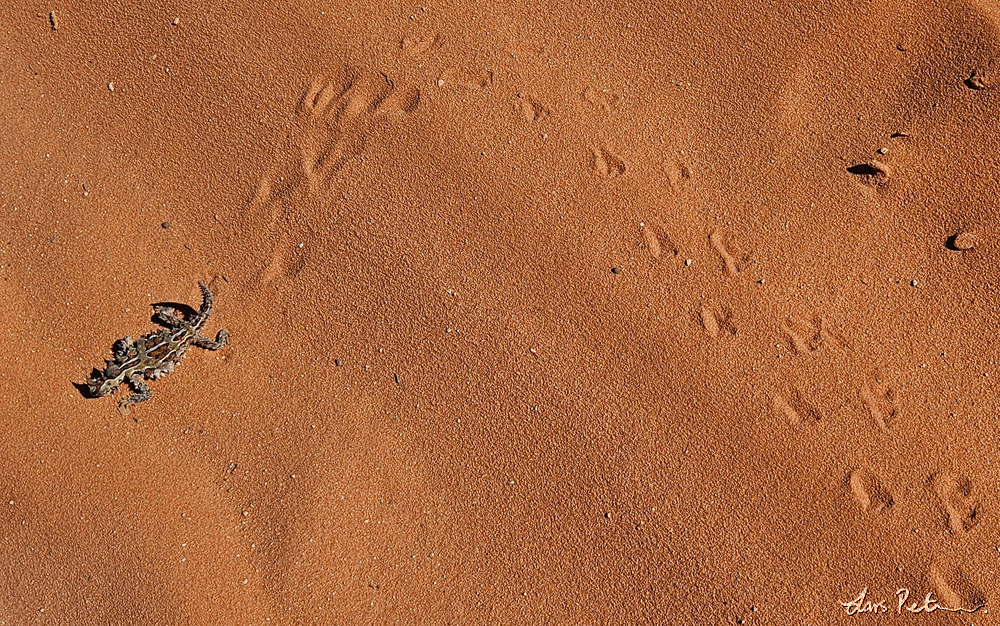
[(976, 80), (964, 241)]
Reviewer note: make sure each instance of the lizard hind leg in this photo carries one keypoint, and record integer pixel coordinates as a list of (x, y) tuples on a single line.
[(167, 316), (221, 339), (142, 393)]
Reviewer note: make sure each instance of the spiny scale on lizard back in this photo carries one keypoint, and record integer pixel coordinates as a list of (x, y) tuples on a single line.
[(154, 354)]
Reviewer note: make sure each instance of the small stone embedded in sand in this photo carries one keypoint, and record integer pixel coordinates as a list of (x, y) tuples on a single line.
[(53, 20), (963, 241), (165, 224), (976, 80), (616, 270), (176, 21), (111, 86)]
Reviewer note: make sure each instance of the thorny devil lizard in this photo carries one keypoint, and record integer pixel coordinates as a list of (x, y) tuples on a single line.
[(154, 354)]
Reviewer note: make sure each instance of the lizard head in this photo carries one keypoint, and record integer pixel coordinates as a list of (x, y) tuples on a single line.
[(96, 387), (102, 383)]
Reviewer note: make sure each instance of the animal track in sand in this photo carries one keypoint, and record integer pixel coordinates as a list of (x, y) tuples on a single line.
[(955, 494), (881, 403), (606, 163), (802, 334), (331, 124), (287, 260), (530, 109), (806, 336), (678, 174), (414, 45), (718, 242), (794, 408), (656, 241), (329, 129), (873, 173), (717, 321), (456, 78), (603, 99), (869, 492), (954, 590), (337, 121)]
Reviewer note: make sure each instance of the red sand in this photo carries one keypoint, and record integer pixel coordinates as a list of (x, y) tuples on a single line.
[(643, 314)]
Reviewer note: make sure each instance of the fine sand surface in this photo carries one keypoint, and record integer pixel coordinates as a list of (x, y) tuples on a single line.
[(555, 313)]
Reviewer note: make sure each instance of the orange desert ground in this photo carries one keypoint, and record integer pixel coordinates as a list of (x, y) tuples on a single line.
[(539, 313)]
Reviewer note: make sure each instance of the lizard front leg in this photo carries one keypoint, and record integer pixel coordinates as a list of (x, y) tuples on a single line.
[(142, 393), (121, 348)]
